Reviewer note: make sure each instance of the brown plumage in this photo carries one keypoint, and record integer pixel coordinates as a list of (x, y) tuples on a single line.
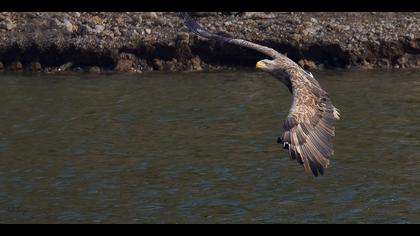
[(309, 128)]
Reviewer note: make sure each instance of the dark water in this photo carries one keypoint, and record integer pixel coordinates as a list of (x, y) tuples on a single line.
[(201, 148)]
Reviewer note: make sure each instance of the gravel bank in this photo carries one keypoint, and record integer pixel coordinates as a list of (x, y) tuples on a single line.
[(136, 42)]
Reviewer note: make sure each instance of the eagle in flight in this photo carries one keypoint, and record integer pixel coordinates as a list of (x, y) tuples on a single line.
[(309, 128)]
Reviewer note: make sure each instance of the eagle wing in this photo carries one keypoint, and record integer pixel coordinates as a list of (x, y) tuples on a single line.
[(310, 126), (194, 27)]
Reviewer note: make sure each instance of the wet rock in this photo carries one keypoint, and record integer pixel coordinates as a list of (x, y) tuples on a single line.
[(35, 67), (403, 61), (66, 67), (95, 69), (366, 65), (384, 63), (415, 44), (157, 64), (78, 69), (307, 64), (162, 65), (50, 70), (170, 65), (16, 66), (196, 64), (124, 65)]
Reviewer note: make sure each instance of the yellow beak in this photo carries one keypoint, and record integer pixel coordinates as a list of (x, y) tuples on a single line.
[(259, 65)]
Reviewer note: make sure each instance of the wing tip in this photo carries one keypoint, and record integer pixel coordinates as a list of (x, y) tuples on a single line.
[(315, 167), (336, 113)]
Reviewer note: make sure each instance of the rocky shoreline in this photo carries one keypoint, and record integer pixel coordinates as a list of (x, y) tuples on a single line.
[(157, 41)]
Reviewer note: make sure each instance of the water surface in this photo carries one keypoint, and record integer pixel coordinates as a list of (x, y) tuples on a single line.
[(201, 148)]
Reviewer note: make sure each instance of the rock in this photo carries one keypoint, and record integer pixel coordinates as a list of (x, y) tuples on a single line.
[(204, 14), (366, 65), (418, 62), (138, 19), (66, 67), (87, 29), (117, 31), (10, 25), (157, 64), (77, 69), (402, 60), (96, 20), (415, 44), (384, 63), (151, 15), (313, 20), (16, 66), (162, 65), (99, 29), (171, 65), (307, 64), (108, 33), (135, 33), (258, 15), (311, 30), (94, 69), (35, 67), (124, 65), (352, 37), (126, 62), (50, 70), (196, 63), (69, 26), (183, 37), (57, 22)]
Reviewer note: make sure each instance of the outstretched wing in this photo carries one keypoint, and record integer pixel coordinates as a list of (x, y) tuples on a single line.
[(197, 29), (310, 125)]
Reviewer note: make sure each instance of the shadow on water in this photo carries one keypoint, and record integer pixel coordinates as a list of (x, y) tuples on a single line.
[(201, 147)]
